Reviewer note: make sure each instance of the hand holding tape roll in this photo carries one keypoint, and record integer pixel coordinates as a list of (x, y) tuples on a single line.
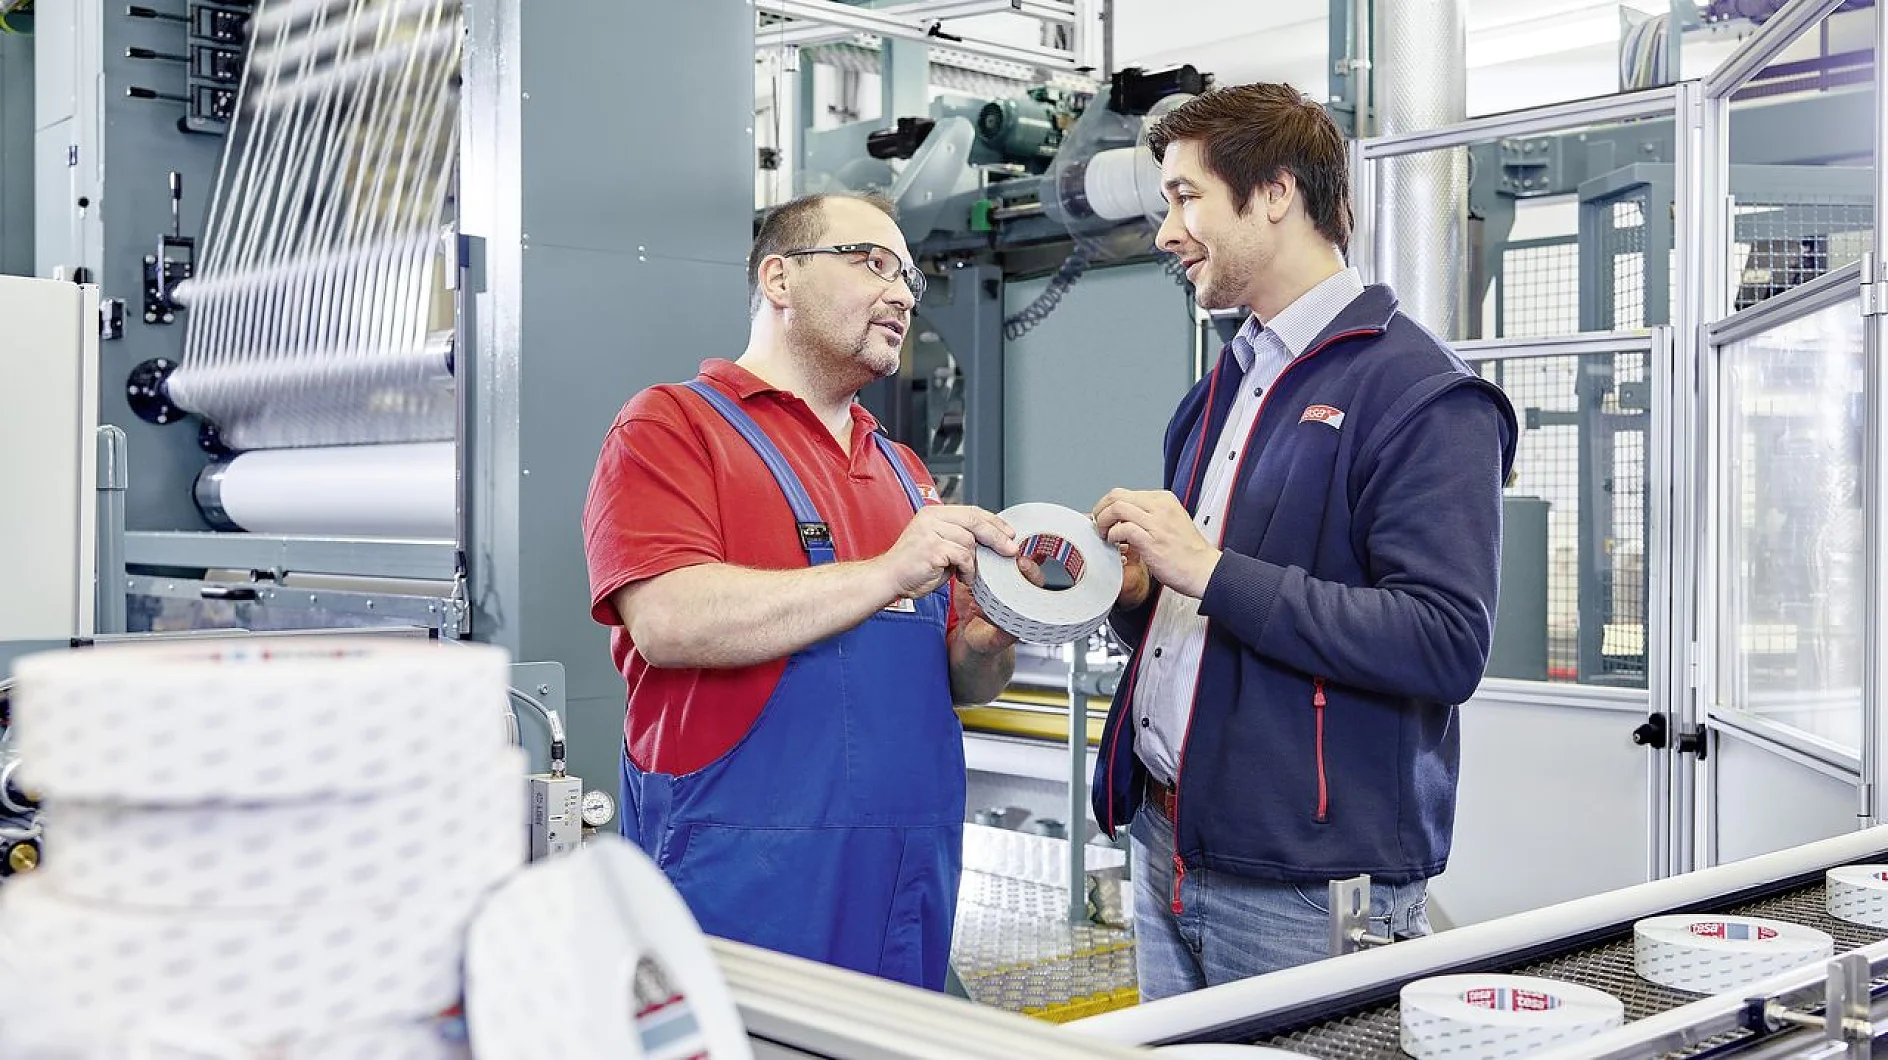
[(1163, 535), (1041, 615)]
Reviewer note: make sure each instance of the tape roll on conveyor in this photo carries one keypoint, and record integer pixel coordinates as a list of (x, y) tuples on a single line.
[(1041, 615), (1706, 954), (1858, 894), (1485, 1016)]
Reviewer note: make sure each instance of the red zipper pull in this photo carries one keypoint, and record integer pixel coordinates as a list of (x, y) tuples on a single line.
[(1179, 873), (1324, 788)]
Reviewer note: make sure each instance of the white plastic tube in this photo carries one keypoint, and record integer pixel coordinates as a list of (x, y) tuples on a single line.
[(399, 491)]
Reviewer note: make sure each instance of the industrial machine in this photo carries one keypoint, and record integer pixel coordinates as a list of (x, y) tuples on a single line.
[(367, 277)]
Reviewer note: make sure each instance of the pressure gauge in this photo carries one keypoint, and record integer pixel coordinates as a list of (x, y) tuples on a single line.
[(598, 808)]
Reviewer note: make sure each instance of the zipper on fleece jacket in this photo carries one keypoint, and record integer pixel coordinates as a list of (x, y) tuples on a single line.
[(1324, 788)]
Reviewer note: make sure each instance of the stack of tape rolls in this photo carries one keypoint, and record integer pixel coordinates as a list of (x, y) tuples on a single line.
[(1858, 894), (1474, 1016), (1040, 615), (267, 847), (1706, 953)]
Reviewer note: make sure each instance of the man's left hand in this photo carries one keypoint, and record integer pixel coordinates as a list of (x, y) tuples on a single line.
[(978, 633), (1157, 526)]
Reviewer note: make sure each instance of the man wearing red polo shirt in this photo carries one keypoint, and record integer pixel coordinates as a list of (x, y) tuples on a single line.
[(779, 596)]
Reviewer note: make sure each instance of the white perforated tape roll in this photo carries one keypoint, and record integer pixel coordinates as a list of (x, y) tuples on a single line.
[(1049, 616), (250, 977), (32, 1035), (1473, 1016), (603, 933), (1705, 953), (1858, 894), (266, 719), (454, 834)]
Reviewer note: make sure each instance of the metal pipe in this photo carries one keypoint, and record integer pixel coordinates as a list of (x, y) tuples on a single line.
[(1778, 33), (884, 24), (1626, 106), (109, 579), (1360, 68), (802, 34), (1078, 781), (1875, 466), (1422, 208)]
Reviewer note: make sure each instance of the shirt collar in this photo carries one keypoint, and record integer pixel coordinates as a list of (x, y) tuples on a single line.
[(1300, 323), (745, 385)]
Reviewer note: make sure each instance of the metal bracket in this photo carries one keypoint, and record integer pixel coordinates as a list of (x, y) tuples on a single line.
[(1874, 299), (1845, 1020), (1846, 1012), (1350, 916), (1100, 684), (1874, 291)]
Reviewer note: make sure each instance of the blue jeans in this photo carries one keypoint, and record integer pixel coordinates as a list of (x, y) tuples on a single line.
[(1234, 927)]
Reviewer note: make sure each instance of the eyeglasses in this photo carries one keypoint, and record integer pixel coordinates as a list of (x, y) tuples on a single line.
[(883, 261)]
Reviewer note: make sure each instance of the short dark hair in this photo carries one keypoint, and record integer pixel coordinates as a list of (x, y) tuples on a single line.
[(1250, 134), (797, 225)]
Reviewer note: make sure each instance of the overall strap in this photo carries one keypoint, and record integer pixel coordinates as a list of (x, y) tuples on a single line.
[(886, 446), (816, 536)]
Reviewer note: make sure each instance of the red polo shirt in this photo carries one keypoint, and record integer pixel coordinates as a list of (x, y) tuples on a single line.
[(676, 485)]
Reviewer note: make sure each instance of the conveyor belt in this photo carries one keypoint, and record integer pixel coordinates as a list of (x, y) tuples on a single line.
[(1374, 1031)]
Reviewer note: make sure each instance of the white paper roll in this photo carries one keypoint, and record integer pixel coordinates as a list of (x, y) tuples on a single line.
[(399, 491), (1706, 953), (459, 837), (205, 723), (1049, 616), (603, 933), (1123, 183), (1474, 1016), (115, 975), (1858, 894)]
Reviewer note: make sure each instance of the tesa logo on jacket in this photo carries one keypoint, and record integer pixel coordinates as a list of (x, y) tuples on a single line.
[(927, 492), (1325, 414)]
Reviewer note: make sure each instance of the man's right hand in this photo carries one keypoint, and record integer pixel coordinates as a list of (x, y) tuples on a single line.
[(940, 540)]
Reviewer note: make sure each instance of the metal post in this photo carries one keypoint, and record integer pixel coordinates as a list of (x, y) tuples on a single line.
[(1078, 781), (1107, 40), (1875, 465), (904, 81), (1360, 60), (1701, 255), (110, 578)]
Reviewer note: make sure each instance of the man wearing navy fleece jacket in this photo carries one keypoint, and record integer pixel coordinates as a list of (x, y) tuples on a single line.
[(1314, 592)]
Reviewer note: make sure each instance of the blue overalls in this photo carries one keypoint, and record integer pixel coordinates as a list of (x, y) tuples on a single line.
[(834, 829)]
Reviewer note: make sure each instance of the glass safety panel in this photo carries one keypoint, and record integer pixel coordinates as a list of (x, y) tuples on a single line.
[(1791, 588)]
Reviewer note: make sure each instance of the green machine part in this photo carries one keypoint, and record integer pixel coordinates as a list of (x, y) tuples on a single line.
[(1020, 129)]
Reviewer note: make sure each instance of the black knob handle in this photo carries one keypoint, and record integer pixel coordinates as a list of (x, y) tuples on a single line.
[(1655, 733)]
